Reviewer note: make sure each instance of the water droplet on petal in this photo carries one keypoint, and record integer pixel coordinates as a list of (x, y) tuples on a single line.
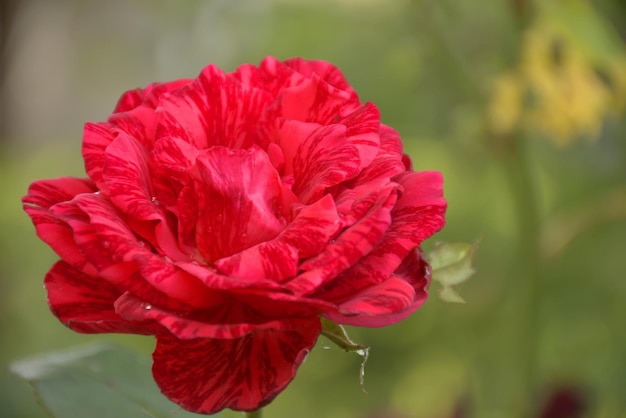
[(146, 306), (142, 244), (98, 192), (155, 201)]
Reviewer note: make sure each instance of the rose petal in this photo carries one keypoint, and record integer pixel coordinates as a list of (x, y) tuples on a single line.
[(208, 375), (96, 138), (418, 214), (46, 193), (214, 280), (215, 109), (350, 246), (314, 100), (238, 194), (271, 76), (228, 320), (326, 71), (127, 177), (85, 303), (170, 162), (274, 260), (318, 157), (50, 228), (313, 227), (388, 302), (148, 96)]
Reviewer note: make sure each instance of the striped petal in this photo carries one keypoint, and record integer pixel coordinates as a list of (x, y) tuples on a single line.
[(353, 243), (238, 194), (216, 109), (208, 375), (85, 303), (388, 302), (417, 215)]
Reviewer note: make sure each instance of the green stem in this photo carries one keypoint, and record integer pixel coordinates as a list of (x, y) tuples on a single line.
[(254, 414), (525, 291)]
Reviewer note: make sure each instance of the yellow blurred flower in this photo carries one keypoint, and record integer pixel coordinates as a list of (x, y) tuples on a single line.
[(556, 91)]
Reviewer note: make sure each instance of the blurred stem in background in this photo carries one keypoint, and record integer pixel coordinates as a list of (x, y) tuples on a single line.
[(520, 173), (524, 293), (254, 414)]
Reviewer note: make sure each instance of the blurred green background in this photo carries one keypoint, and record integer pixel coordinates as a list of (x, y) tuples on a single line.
[(520, 105)]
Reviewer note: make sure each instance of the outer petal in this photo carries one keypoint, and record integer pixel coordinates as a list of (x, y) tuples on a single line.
[(418, 214), (390, 301), (229, 320), (208, 375), (50, 228), (85, 303)]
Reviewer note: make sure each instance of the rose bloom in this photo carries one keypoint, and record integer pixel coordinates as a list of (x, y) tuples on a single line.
[(226, 214)]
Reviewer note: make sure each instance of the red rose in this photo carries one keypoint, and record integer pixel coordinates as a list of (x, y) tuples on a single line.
[(226, 214)]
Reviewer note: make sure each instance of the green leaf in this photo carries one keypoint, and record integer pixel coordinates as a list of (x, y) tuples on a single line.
[(452, 265), (97, 381), (337, 334)]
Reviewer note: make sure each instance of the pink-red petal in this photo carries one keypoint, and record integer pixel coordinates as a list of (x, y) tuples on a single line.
[(216, 109)]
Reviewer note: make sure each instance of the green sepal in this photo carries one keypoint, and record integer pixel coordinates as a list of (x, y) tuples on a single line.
[(338, 335), (451, 265)]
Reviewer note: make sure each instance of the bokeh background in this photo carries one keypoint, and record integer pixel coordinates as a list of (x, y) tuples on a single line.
[(520, 104)]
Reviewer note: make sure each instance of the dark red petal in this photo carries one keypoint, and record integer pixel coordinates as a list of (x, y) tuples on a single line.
[(229, 319), (55, 232), (388, 302), (208, 375), (216, 109), (85, 303), (238, 194), (417, 215), (107, 242)]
